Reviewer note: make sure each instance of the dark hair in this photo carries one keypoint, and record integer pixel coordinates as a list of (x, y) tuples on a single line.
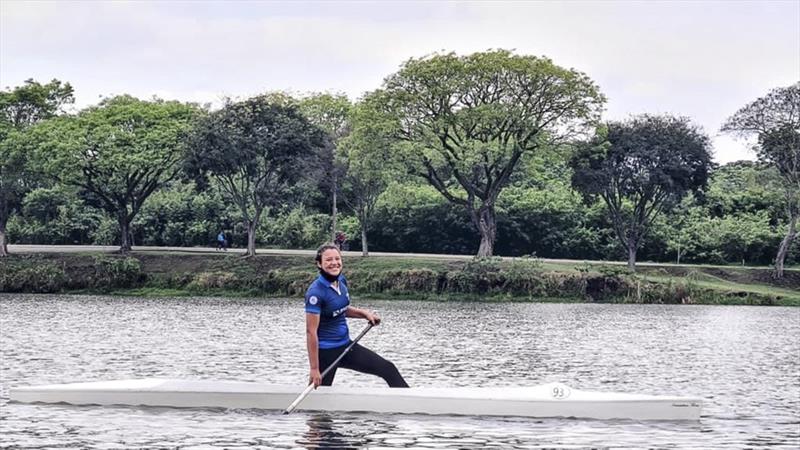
[(322, 248)]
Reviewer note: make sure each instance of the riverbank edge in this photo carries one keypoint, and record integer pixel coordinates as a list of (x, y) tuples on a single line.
[(520, 280)]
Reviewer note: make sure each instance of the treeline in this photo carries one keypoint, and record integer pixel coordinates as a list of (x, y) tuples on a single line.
[(490, 153), (738, 222)]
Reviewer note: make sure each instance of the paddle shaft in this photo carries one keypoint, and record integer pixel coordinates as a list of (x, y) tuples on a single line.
[(310, 387)]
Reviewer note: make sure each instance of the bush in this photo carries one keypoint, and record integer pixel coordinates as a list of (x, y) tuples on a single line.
[(298, 228), (283, 282), (39, 278), (117, 272), (212, 280), (396, 281)]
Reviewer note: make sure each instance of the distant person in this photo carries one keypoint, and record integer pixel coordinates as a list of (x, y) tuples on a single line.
[(327, 334), (341, 240), (222, 243)]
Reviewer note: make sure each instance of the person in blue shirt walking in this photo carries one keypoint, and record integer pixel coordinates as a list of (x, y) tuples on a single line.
[(327, 306), (222, 243)]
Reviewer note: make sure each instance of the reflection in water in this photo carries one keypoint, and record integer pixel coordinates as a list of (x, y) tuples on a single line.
[(322, 434), (327, 431)]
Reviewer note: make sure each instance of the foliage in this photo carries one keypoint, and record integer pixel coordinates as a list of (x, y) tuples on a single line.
[(117, 272), (19, 109), (742, 187), (118, 153), (218, 280), (775, 120), (368, 167), (464, 122), (179, 216), (298, 228), (332, 114), (255, 150), (743, 215), (413, 218), (39, 278), (54, 215), (640, 168)]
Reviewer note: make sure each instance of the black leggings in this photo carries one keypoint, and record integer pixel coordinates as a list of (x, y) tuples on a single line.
[(360, 359)]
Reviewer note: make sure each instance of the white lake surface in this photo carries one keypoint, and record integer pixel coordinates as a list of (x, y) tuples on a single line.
[(743, 361)]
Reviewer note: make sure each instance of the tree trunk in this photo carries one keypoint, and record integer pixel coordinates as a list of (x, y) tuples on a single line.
[(251, 237), (632, 247), (364, 245), (487, 226), (4, 214), (786, 243), (333, 214), (125, 233), (3, 239)]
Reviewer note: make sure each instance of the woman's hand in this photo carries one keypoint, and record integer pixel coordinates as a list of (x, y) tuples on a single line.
[(315, 378), (372, 317)]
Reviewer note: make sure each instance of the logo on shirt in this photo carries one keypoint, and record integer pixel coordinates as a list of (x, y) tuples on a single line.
[(312, 300)]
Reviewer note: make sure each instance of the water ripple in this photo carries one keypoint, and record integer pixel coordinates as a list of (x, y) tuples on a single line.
[(744, 362)]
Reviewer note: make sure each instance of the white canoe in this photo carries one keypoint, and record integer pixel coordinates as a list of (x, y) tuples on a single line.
[(547, 400)]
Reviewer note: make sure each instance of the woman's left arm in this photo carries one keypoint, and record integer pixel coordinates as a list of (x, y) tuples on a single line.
[(371, 317)]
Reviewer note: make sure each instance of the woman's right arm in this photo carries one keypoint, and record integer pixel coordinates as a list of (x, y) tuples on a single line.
[(312, 343)]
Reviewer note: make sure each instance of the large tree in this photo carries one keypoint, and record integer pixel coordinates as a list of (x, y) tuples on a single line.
[(368, 165), (256, 150), (775, 120), (331, 113), (118, 152), (639, 168), (20, 108), (465, 122)]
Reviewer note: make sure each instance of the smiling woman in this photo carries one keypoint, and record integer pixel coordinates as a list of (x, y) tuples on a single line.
[(327, 334)]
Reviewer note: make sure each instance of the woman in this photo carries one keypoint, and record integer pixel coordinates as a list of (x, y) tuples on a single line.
[(327, 335)]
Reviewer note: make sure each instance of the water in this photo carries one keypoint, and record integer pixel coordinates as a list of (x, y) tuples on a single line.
[(743, 361)]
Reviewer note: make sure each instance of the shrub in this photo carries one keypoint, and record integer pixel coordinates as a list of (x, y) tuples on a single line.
[(40, 278), (211, 280), (118, 272)]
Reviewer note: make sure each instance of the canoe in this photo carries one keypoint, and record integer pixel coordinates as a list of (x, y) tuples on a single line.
[(547, 400)]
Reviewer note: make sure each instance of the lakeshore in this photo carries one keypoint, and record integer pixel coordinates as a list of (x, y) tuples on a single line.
[(277, 273)]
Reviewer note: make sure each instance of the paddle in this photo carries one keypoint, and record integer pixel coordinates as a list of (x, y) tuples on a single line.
[(310, 387)]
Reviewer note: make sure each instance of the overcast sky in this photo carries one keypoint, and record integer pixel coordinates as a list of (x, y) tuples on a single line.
[(702, 59)]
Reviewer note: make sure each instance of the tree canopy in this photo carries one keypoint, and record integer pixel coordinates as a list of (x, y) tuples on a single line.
[(118, 152), (775, 120), (332, 114), (465, 122), (20, 108), (255, 150), (639, 168), (365, 154)]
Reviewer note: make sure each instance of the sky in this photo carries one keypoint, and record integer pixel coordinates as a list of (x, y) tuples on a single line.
[(700, 59)]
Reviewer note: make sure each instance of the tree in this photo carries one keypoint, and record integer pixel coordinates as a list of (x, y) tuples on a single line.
[(255, 149), (118, 153), (640, 168), (464, 123), (331, 113), (365, 154), (19, 109), (775, 120)]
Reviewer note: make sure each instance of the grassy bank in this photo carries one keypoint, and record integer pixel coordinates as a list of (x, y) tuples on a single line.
[(521, 279)]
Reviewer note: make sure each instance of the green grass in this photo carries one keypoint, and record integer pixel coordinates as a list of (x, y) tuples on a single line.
[(717, 284), (378, 264), (171, 274)]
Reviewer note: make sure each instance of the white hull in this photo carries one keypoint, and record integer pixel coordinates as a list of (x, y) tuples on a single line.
[(548, 400)]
